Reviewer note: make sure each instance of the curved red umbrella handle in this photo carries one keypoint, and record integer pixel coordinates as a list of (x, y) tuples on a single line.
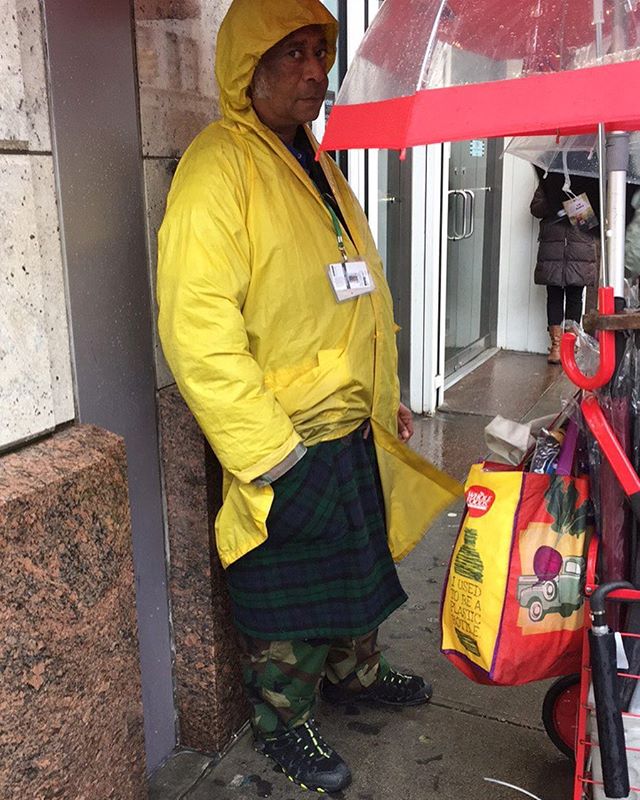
[(612, 450), (592, 566), (607, 340)]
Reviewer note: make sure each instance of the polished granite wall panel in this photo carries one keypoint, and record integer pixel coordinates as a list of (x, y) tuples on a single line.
[(36, 391), (70, 700), (175, 43), (210, 698)]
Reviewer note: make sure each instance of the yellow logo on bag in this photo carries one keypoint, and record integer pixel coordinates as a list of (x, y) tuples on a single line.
[(474, 598)]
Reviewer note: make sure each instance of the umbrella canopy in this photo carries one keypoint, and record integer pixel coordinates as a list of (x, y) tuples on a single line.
[(575, 155), (444, 70)]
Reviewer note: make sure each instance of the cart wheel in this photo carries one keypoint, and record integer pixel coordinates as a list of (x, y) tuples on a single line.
[(560, 713)]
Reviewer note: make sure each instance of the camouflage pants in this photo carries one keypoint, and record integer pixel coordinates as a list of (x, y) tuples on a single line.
[(281, 677)]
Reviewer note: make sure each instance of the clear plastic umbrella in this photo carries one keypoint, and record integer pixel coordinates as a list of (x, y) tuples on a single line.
[(444, 70), (575, 155)]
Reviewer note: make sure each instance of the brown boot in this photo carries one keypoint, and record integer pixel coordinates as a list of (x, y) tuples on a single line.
[(555, 334)]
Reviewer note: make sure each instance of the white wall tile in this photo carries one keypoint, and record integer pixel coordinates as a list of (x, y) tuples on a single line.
[(53, 287), (522, 305), (13, 123), (24, 112), (34, 347)]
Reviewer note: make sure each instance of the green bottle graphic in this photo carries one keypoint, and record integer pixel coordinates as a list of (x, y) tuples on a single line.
[(468, 563)]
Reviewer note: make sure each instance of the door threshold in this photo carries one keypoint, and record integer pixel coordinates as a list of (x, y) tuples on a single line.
[(469, 367)]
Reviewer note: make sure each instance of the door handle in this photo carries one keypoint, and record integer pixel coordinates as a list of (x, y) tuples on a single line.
[(469, 213), (455, 234)]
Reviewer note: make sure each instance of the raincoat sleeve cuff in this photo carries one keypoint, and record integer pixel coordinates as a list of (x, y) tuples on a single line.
[(283, 467), (274, 458)]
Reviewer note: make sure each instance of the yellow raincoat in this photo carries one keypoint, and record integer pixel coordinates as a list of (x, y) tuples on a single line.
[(261, 351)]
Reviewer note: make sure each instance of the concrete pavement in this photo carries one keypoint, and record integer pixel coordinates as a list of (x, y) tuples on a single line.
[(468, 732)]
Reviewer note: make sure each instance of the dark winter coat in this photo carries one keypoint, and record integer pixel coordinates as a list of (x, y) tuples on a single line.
[(567, 256)]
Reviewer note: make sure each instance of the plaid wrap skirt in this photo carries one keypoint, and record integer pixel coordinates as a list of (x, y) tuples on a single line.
[(325, 569)]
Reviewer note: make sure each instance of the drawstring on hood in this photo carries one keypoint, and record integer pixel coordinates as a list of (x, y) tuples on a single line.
[(250, 28)]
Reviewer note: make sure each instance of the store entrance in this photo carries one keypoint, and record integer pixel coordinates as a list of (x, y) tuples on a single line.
[(473, 251)]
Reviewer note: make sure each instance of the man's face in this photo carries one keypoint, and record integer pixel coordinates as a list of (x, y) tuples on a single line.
[(290, 82)]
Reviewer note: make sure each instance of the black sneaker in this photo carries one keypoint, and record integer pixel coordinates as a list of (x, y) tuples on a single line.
[(395, 689), (306, 759)]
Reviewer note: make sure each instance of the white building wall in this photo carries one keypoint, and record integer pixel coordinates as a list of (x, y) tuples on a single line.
[(522, 323), (36, 386)]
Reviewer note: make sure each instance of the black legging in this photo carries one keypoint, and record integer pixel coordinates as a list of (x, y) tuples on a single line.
[(563, 302)]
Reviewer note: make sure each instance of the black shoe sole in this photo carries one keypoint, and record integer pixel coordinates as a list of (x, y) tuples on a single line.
[(375, 701), (258, 748), (369, 699), (418, 701)]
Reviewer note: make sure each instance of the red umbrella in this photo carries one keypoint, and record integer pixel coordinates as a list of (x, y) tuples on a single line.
[(443, 70)]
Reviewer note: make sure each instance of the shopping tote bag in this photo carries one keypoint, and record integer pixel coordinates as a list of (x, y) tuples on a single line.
[(512, 605)]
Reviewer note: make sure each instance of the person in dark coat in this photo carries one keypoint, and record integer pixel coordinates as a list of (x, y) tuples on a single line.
[(568, 256)]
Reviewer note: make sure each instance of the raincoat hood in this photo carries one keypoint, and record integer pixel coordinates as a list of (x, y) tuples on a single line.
[(250, 28)]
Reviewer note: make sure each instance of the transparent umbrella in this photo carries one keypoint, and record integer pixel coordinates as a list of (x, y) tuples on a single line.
[(444, 70), (576, 155)]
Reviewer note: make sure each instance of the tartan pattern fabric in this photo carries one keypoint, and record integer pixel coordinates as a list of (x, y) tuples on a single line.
[(325, 569)]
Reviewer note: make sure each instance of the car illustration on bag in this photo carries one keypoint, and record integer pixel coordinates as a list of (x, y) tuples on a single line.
[(562, 594)]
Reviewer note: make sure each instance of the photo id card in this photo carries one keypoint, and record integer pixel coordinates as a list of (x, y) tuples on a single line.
[(350, 279), (580, 212)]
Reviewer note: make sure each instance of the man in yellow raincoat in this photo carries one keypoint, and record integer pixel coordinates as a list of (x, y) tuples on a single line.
[(276, 320)]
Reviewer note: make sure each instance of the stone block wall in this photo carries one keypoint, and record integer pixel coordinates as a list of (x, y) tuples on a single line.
[(175, 44), (209, 696), (36, 389), (70, 698)]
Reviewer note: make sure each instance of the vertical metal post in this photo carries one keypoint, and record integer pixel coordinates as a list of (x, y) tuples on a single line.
[(617, 164), (598, 21)]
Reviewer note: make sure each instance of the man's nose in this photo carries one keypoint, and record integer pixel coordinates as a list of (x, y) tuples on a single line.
[(315, 69)]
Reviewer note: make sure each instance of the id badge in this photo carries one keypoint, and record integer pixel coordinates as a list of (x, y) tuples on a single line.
[(350, 279), (580, 212)]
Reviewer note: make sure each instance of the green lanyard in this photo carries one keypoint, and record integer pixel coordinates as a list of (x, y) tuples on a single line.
[(338, 229)]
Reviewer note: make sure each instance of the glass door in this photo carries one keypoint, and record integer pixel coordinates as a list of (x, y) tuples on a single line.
[(402, 200), (395, 247), (473, 237)]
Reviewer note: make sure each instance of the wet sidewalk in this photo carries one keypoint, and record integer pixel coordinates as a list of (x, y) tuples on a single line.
[(468, 732)]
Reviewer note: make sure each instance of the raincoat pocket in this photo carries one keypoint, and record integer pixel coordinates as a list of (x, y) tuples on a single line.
[(415, 492), (315, 388), (241, 522)]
